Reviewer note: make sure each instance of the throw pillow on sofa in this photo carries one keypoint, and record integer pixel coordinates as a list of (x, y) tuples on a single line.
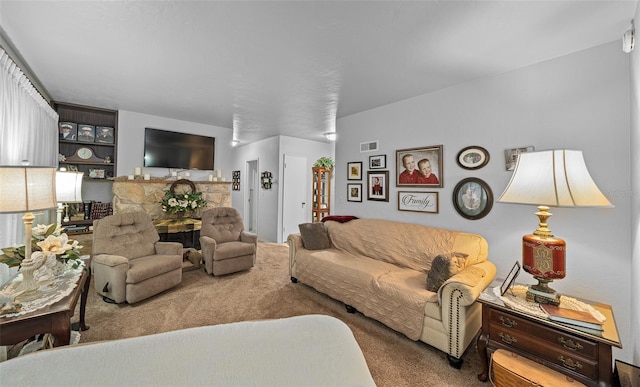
[(314, 236), (444, 267)]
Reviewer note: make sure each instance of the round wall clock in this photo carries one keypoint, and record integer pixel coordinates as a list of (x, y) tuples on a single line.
[(84, 153)]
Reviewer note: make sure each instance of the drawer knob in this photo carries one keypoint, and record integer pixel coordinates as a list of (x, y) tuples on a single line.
[(507, 322), (569, 363), (570, 344), (507, 338)]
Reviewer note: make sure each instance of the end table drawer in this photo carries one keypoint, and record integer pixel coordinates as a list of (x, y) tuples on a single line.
[(561, 340)]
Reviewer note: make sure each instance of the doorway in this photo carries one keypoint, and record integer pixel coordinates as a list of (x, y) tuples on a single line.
[(294, 194), (251, 196)]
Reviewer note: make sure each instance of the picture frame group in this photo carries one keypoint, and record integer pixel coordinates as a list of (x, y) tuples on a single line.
[(71, 131)]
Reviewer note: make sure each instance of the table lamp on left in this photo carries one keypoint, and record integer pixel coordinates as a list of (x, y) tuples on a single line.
[(24, 189)]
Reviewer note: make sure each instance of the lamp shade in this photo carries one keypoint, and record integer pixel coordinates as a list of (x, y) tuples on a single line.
[(556, 178), (69, 187), (27, 189)]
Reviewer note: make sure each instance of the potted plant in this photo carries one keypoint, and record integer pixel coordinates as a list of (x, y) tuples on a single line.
[(325, 162)]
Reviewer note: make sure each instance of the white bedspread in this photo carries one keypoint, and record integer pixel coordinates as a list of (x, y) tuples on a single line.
[(298, 351)]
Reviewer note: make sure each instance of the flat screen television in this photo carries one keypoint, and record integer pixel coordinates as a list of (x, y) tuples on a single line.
[(166, 149)]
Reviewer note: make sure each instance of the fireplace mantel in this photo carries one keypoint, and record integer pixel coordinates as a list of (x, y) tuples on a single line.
[(140, 194)]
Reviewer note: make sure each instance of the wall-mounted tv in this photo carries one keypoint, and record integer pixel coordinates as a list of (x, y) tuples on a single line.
[(166, 149)]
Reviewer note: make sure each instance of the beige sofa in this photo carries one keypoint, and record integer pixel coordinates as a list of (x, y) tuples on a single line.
[(380, 268)]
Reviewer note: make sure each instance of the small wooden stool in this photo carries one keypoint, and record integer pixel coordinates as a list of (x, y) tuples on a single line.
[(510, 370)]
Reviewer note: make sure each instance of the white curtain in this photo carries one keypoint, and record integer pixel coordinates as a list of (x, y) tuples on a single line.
[(28, 131)]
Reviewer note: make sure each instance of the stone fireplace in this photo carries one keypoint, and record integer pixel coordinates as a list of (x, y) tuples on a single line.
[(145, 195)]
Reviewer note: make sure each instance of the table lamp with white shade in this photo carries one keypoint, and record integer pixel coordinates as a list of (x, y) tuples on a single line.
[(68, 190), (24, 189), (556, 178)]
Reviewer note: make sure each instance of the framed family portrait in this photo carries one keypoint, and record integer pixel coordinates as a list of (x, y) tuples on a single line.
[(354, 170), (419, 167), (472, 198), (473, 157), (378, 162), (511, 156), (354, 192), (418, 201), (378, 185)]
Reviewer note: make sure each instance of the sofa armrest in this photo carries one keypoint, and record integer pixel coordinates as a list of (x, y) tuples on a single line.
[(295, 244), (469, 282), (248, 237), (168, 248)]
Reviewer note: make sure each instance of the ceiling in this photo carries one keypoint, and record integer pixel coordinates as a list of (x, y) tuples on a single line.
[(264, 68)]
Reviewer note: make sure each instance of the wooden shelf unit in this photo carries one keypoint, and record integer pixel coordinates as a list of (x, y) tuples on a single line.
[(101, 151)]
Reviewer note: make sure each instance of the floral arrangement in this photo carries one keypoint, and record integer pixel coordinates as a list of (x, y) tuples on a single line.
[(47, 239), (180, 203)]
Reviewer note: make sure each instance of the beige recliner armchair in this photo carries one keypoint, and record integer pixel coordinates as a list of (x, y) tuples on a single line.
[(129, 263), (226, 246)]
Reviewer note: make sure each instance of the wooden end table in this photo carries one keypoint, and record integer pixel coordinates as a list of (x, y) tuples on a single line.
[(54, 318), (580, 354)]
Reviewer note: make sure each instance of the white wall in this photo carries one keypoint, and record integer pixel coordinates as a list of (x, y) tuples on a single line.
[(270, 155), (131, 143), (312, 151), (634, 65), (579, 101), (266, 152)]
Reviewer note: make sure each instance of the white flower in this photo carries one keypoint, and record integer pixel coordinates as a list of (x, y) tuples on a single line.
[(56, 245), (172, 202), (183, 203), (194, 205)]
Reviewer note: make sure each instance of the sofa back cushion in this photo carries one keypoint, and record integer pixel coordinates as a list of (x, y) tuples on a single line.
[(408, 245), (128, 234)]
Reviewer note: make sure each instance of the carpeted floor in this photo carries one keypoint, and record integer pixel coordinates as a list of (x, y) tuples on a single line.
[(266, 292)]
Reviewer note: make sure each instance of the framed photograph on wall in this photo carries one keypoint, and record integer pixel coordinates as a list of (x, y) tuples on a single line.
[(378, 162), (354, 170), (472, 198), (418, 201), (473, 157), (511, 156), (354, 192), (378, 185), (419, 167)]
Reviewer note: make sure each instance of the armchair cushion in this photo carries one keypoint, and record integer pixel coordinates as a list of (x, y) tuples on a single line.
[(130, 234), (234, 249), (223, 224), (151, 266)]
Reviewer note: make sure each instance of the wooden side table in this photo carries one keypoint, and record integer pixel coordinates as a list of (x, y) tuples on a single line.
[(582, 355), (54, 318)]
